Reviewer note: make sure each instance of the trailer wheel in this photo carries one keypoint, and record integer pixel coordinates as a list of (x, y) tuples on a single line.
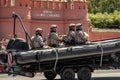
[(67, 74), (84, 74), (50, 75)]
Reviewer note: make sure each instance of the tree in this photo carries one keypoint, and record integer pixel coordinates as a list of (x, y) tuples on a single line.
[(102, 6)]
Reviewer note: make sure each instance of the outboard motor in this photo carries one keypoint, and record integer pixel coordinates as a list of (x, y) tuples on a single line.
[(17, 44)]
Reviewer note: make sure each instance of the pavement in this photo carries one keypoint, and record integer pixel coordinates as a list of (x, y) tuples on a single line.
[(97, 75)]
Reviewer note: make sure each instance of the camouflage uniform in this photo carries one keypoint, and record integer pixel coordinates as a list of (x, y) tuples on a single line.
[(53, 38), (81, 37), (70, 38), (37, 40)]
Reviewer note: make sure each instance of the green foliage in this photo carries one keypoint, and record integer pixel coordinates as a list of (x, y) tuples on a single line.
[(95, 6), (104, 13), (105, 20)]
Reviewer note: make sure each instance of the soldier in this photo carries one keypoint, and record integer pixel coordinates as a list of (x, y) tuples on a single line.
[(53, 38), (70, 38), (81, 37), (37, 40)]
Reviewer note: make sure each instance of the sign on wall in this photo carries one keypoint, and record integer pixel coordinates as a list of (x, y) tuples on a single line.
[(47, 13)]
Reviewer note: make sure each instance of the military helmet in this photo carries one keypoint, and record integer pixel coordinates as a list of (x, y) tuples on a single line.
[(79, 25), (71, 25), (39, 29), (53, 26)]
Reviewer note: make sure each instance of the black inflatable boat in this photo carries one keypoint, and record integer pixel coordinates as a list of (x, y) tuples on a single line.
[(65, 61), (105, 47)]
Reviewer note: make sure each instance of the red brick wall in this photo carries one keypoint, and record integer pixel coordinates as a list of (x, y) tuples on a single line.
[(103, 34), (6, 28), (37, 14)]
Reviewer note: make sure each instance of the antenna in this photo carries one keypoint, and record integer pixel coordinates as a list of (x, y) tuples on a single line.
[(14, 15)]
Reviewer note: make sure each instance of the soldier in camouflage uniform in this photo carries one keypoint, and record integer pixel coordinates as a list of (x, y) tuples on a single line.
[(53, 38), (70, 38), (81, 37), (37, 40)]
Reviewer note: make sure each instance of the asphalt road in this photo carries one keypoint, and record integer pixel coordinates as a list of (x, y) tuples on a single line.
[(97, 75)]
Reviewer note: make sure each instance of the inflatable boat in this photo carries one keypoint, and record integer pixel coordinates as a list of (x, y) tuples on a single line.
[(65, 61), (105, 47)]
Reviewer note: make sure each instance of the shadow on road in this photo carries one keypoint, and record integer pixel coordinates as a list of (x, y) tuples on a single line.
[(98, 78)]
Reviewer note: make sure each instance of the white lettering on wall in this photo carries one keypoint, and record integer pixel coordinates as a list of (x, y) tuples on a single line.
[(47, 13)]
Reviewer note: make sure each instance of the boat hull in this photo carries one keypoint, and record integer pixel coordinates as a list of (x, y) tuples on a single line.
[(72, 52)]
